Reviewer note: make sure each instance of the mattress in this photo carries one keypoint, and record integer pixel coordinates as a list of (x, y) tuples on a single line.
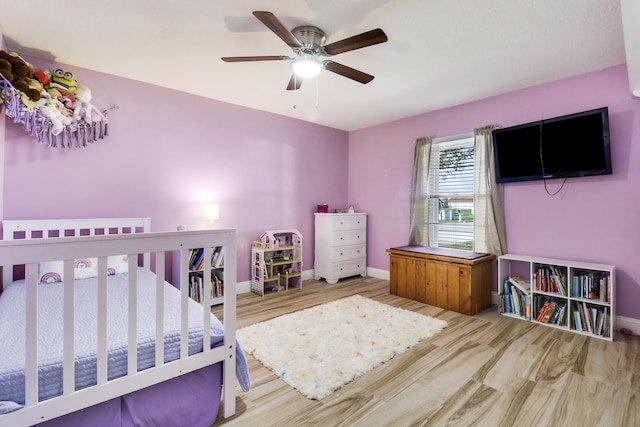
[(50, 333)]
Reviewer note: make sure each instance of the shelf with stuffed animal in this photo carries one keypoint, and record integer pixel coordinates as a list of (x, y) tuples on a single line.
[(50, 106)]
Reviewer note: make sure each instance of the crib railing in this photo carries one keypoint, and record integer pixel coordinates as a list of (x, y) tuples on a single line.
[(153, 246)]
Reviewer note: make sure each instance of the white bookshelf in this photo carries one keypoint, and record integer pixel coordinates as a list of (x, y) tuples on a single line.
[(196, 275), (585, 290)]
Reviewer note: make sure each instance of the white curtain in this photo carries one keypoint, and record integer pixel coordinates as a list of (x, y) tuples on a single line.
[(488, 199), (418, 229)]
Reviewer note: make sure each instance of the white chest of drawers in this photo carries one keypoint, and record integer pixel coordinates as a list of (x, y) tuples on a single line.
[(340, 246)]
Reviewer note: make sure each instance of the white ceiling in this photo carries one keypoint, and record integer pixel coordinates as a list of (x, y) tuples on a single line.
[(440, 52)]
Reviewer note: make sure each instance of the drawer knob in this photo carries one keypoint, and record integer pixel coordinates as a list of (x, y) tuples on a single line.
[(341, 254)]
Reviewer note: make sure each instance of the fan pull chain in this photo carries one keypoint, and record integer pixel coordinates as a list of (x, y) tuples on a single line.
[(295, 91), (317, 90)]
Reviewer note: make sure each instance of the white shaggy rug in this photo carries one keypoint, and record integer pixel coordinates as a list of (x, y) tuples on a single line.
[(320, 349)]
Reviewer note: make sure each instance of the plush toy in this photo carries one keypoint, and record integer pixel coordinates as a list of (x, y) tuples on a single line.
[(5, 69), (68, 101), (35, 85), (52, 97), (65, 81), (28, 89), (44, 77), (21, 71), (58, 120), (84, 109)]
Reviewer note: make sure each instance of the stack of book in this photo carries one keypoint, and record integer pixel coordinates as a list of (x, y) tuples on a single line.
[(592, 319), (551, 311), (551, 279), (515, 297)]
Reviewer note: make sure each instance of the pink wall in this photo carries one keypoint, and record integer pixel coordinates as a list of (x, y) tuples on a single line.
[(168, 153), (267, 171), (592, 219)]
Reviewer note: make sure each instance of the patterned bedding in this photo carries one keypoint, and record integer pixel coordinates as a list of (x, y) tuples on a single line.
[(50, 333)]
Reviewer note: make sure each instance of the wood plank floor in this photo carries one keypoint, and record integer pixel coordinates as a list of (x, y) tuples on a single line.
[(485, 370)]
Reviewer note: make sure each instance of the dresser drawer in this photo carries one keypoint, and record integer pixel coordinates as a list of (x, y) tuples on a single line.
[(348, 253), (349, 222), (349, 238), (348, 268)]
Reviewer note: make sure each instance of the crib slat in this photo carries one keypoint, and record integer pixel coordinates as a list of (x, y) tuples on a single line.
[(101, 310), (159, 309), (206, 298), (68, 370), (184, 301), (133, 315), (31, 337), (229, 318)]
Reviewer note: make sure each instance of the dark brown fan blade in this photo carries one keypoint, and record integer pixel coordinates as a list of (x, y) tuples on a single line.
[(348, 72), (356, 42), (270, 20), (294, 83), (253, 58)]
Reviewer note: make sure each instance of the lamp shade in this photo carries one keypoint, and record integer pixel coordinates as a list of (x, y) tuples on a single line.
[(211, 212), (306, 66)]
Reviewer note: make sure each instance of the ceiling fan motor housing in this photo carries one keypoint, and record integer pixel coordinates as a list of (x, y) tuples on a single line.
[(312, 38)]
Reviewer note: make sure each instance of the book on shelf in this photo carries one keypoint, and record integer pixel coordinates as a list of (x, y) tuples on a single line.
[(577, 321), (558, 315), (592, 285), (514, 301), (521, 284), (506, 303), (606, 323), (217, 287), (217, 257), (195, 288), (527, 307), (600, 323), (563, 313), (549, 312), (541, 311), (586, 317), (551, 279), (196, 259)]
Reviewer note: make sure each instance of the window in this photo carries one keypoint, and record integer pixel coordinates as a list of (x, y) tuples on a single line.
[(450, 192)]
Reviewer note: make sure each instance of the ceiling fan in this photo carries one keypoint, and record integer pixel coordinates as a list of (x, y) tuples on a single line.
[(307, 43)]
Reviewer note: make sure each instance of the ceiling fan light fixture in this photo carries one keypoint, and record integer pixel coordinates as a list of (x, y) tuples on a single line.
[(306, 67)]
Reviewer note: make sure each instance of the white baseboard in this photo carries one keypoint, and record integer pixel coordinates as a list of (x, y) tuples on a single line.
[(628, 322), (620, 321), (378, 274), (243, 287)]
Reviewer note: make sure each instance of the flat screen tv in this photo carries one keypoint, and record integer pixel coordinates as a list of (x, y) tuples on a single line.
[(562, 147)]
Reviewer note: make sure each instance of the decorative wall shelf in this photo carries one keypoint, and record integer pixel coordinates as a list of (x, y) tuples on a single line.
[(75, 135)]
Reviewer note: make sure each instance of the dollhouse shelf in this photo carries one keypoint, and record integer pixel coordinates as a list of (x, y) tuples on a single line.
[(75, 135), (276, 262)]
